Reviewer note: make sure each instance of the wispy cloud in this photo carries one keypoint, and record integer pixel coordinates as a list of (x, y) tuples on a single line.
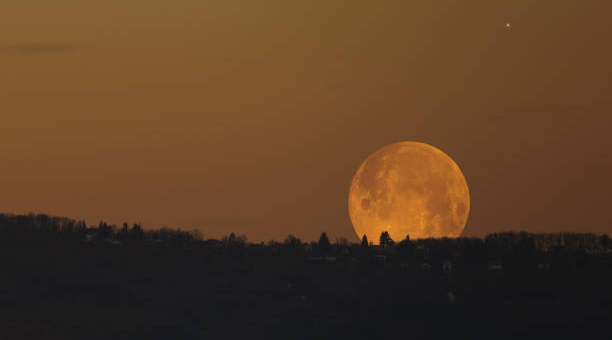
[(33, 49)]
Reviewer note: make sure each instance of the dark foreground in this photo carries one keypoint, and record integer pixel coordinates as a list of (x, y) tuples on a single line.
[(66, 288)]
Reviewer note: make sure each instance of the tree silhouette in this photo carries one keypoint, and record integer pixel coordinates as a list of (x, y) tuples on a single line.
[(105, 231), (605, 241), (364, 241), (234, 240), (80, 230), (405, 245), (385, 239), (136, 233), (324, 244), (293, 241), (124, 234)]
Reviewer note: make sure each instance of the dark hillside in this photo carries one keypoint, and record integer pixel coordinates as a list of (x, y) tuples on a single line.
[(63, 280)]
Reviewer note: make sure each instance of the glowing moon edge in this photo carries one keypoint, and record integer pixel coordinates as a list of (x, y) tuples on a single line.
[(409, 188)]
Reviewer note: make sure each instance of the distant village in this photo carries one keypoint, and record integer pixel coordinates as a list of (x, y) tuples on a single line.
[(498, 251), (63, 279)]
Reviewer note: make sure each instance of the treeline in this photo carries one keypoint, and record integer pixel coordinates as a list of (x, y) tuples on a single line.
[(40, 228), (63, 277)]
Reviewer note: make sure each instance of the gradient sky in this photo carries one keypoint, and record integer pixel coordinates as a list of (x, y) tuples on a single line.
[(253, 116)]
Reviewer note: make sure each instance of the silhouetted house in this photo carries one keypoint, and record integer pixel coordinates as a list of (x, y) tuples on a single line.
[(323, 258), (157, 242), (307, 248), (425, 266), (337, 319), (543, 265), (542, 244), (91, 234), (495, 266), (113, 242), (354, 264), (562, 240), (222, 281), (422, 248), (447, 266), (275, 247), (212, 243)]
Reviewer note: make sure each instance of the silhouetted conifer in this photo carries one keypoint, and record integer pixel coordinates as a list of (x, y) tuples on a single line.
[(324, 244), (105, 231), (364, 241), (137, 233), (80, 230), (385, 239)]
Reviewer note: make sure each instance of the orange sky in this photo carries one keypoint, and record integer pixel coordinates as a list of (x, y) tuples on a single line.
[(252, 116)]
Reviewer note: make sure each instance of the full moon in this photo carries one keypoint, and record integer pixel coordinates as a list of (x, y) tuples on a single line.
[(409, 188)]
